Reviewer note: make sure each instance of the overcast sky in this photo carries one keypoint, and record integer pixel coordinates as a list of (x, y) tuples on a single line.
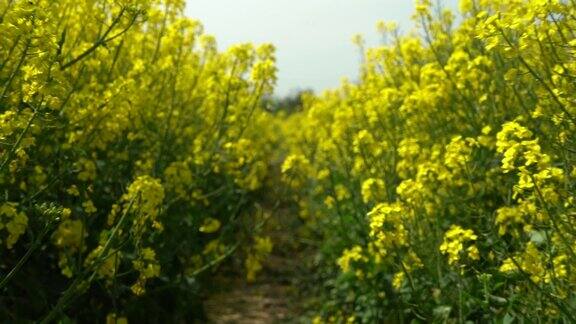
[(312, 37)]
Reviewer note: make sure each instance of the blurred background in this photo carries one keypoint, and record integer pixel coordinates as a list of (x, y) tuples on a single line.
[(312, 37)]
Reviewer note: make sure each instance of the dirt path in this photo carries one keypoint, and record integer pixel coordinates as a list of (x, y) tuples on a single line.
[(268, 300), (272, 298)]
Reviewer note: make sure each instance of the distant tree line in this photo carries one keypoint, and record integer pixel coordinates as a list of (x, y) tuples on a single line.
[(289, 103)]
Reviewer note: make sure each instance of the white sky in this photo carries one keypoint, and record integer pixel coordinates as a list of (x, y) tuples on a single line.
[(312, 37)]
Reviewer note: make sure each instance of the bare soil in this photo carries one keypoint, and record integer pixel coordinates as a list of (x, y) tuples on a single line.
[(273, 297)]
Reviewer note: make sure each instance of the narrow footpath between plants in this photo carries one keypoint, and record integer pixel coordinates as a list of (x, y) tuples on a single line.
[(274, 297)]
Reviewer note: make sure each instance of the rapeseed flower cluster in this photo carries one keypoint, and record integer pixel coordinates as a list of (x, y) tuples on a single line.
[(454, 240)]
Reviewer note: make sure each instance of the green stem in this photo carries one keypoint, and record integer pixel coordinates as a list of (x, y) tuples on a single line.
[(89, 273), (26, 256)]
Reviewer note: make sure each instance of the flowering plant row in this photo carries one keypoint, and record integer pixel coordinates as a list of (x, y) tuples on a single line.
[(130, 158), (442, 184)]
